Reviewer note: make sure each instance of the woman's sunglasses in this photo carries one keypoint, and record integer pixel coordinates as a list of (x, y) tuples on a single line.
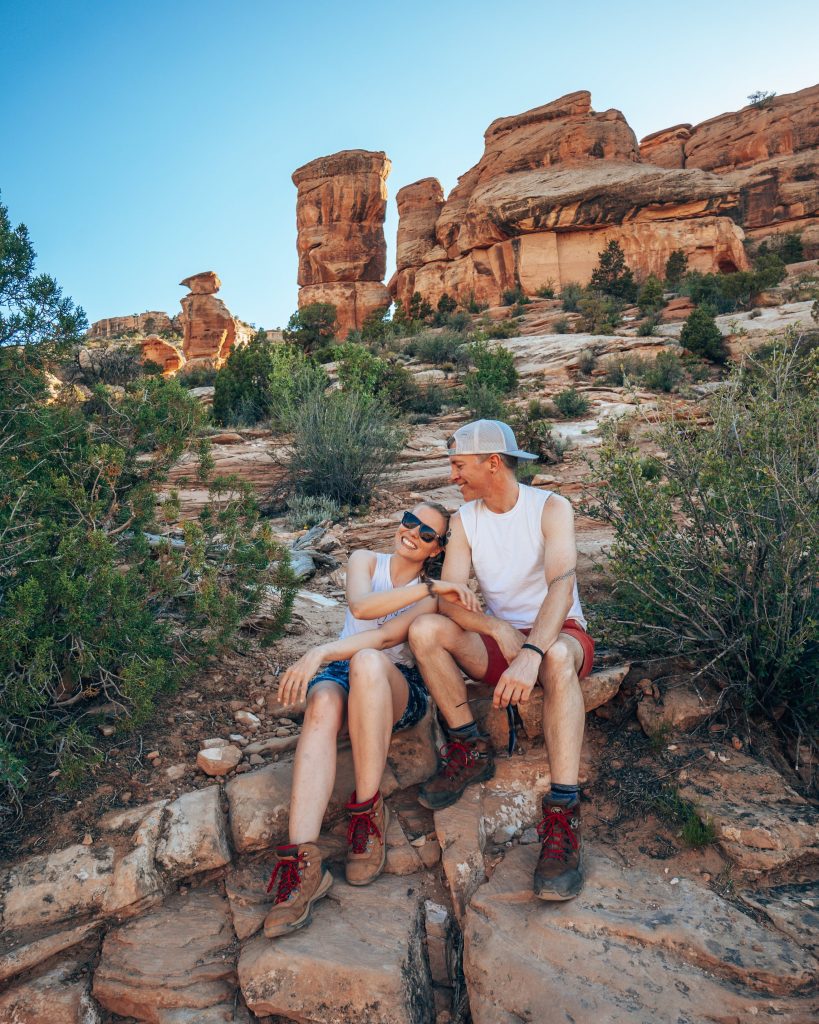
[(425, 532)]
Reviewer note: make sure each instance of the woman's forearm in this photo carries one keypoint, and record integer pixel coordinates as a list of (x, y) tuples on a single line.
[(376, 605)]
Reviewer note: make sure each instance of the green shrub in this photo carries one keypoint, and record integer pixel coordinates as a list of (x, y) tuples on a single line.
[(586, 362), (460, 321), (718, 562), (483, 401), (675, 268), (562, 326), (701, 335), (197, 377), (500, 329), (761, 99), (546, 291), (664, 373), (648, 327), (359, 369), (650, 300), (377, 326), (571, 403), (622, 367), (263, 380), (787, 246), (534, 433), (305, 510), (312, 327), (570, 296), (612, 276), (473, 306), (439, 348), (110, 364), (601, 314), (514, 297), (729, 292), (495, 368), (446, 307), (344, 445), (814, 311), (427, 400)]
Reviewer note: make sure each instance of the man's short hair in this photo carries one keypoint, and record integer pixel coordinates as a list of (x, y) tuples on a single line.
[(510, 461)]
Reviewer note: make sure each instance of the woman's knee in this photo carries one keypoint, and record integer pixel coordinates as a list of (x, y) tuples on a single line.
[(368, 670), (325, 708)]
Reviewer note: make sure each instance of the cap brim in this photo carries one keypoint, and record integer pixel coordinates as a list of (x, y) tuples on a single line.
[(521, 455)]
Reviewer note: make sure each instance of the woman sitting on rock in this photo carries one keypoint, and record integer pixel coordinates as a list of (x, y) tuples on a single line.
[(368, 677)]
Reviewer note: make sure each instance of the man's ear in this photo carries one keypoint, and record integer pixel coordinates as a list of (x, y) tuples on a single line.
[(494, 463)]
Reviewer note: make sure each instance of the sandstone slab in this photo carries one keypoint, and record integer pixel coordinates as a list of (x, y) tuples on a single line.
[(172, 966), (57, 996), (24, 957), (402, 859), (361, 959), (630, 949), (246, 889), (762, 825), (136, 882), (793, 909), (66, 884), (681, 707), (194, 834)]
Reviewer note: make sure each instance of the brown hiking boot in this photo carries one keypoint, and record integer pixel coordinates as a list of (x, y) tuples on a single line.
[(462, 763), (302, 879), (559, 871), (366, 839)]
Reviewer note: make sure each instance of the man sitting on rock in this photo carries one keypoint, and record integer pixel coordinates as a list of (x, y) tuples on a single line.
[(520, 542)]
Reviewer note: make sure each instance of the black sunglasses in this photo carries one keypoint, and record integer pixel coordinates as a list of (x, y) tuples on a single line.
[(410, 520)]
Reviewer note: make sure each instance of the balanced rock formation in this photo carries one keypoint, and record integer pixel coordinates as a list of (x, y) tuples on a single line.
[(768, 151), (208, 329), (553, 187), (342, 200)]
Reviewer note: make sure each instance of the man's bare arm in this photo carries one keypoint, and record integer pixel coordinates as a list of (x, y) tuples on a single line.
[(557, 523)]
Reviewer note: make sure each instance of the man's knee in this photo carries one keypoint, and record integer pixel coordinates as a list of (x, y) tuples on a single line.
[(558, 666), (427, 632)]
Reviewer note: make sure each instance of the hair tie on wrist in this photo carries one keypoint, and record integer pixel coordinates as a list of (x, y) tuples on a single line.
[(532, 647)]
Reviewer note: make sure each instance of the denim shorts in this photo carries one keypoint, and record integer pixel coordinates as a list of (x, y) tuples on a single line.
[(417, 700)]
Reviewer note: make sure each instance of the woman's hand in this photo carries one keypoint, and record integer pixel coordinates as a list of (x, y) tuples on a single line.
[(457, 593), (293, 685)]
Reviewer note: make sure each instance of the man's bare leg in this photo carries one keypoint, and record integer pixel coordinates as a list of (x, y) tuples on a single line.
[(564, 714), (442, 649)]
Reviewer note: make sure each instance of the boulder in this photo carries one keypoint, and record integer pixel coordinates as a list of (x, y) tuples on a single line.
[(57, 996), (218, 760), (136, 883), (631, 948), (419, 206), (206, 283), (246, 889), (175, 965), (681, 707), (24, 957), (194, 834), (361, 959), (402, 859)]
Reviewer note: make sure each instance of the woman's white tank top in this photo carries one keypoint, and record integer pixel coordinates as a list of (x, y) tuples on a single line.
[(400, 654), (508, 551)]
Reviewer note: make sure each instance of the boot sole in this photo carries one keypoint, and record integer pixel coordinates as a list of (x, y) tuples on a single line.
[(453, 798), (325, 885), (367, 881), (553, 896)]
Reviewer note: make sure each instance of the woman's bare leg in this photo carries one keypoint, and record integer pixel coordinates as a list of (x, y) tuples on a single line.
[(378, 698), (314, 768)]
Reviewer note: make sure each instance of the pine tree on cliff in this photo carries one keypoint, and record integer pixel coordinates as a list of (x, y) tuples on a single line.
[(611, 275)]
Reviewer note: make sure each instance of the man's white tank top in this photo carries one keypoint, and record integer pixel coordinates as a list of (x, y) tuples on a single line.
[(508, 551), (400, 654)]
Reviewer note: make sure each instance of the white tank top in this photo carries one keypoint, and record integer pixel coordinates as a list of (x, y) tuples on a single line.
[(508, 551), (400, 654)]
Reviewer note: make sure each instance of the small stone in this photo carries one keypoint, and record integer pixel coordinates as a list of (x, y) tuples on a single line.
[(420, 841), (256, 759), (248, 719), (152, 755), (284, 731), (736, 742), (126, 797), (706, 876), (87, 840), (237, 737), (218, 760), (675, 881), (528, 837), (214, 742), (259, 702), (175, 772), (107, 730)]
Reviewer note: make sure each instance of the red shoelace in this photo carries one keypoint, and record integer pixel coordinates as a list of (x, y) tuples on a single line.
[(456, 756), (290, 879), (362, 826), (556, 833)]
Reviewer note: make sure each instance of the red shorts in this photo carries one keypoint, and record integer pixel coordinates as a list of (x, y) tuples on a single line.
[(498, 664)]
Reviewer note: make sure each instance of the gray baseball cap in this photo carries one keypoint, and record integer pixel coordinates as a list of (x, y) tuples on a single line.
[(486, 437)]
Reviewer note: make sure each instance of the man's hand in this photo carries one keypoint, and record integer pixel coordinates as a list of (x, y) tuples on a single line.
[(457, 593), (293, 685), (517, 682), (509, 639)]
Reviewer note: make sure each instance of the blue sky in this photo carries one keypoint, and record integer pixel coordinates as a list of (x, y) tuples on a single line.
[(143, 142)]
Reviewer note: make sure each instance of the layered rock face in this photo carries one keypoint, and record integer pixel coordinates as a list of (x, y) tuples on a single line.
[(769, 154), (155, 322), (340, 208), (553, 187)]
